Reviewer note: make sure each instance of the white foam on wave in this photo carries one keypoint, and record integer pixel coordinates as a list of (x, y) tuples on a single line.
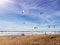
[(26, 33)]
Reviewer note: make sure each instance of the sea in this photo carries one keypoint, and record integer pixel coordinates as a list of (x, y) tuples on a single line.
[(16, 33)]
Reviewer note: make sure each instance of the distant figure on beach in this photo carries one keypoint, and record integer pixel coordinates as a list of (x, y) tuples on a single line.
[(22, 34)]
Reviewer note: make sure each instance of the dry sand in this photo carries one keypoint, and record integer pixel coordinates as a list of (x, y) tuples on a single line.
[(30, 40)]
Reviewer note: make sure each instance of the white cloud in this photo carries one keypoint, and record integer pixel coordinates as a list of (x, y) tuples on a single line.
[(28, 26), (12, 26), (29, 10)]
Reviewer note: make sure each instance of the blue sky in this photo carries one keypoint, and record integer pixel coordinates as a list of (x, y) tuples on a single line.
[(22, 15)]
